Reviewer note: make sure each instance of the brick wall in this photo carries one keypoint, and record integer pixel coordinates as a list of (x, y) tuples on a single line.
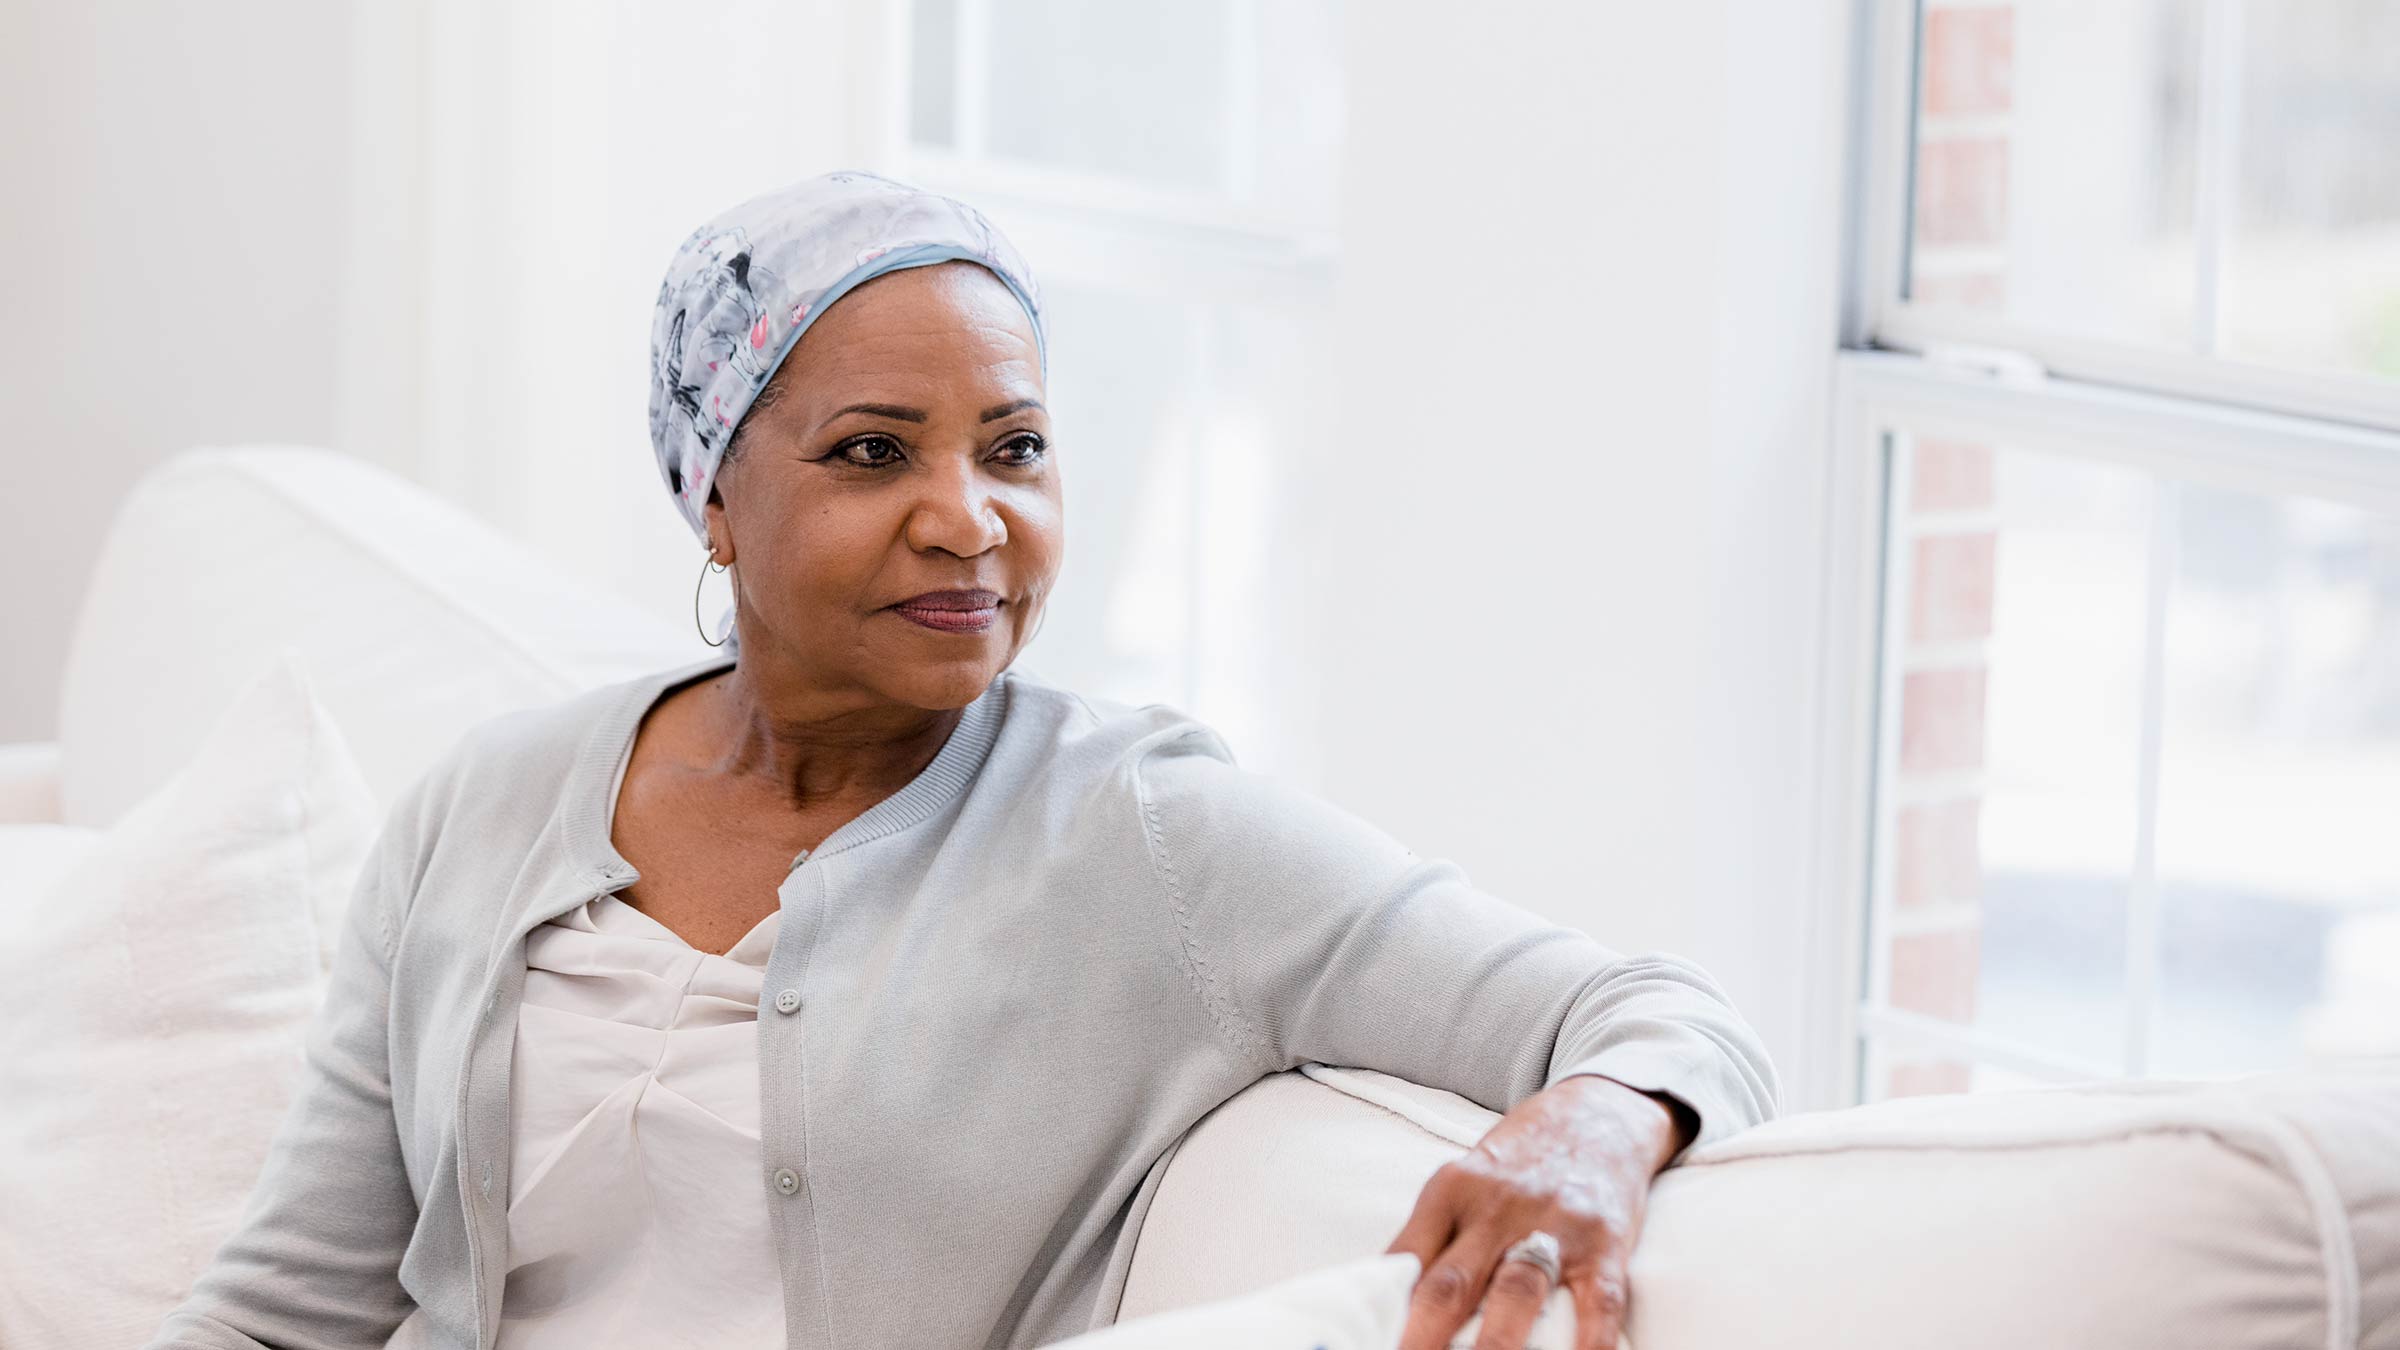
[(1950, 545)]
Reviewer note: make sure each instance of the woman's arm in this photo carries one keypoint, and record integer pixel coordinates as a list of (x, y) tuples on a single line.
[(314, 1260), (1310, 934)]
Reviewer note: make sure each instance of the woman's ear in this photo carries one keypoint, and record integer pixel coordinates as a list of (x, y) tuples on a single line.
[(720, 532)]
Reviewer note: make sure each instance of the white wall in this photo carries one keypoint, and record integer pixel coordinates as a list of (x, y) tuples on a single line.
[(171, 213), (1568, 597)]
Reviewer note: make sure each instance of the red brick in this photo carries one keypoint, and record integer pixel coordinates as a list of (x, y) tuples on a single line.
[(1950, 587), (1950, 476), (1941, 721), (1962, 191), (1933, 973), (1970, 61), (1937, 853), (1928, 1078)]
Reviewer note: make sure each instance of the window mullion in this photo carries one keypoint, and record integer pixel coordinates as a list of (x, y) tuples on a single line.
[(1890, 665), (1884, 213)]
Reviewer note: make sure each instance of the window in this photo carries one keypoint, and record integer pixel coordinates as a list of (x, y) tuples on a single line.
[(1172, 169), (2118, 542), (2188, 194)]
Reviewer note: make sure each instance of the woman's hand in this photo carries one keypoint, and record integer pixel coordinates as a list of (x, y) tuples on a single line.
[(1575, 1161)]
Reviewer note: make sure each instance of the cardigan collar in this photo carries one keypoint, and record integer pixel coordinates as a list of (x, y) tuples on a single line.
[(589, 804)]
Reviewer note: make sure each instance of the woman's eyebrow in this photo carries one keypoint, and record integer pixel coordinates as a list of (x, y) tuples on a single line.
[(877, 409), (995, 414), (894, 410)]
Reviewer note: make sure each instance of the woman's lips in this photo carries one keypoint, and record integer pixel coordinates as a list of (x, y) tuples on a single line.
[(950, 620)]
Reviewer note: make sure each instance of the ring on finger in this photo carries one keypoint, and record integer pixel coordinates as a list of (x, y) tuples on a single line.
[(1538, 1249)]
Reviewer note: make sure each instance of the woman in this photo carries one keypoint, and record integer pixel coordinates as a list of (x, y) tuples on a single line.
[(847, 988)]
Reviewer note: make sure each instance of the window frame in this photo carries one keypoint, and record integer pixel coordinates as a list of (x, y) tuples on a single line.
[(1905, 368)]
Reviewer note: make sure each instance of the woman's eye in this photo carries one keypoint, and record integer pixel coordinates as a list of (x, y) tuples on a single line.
[(883, 442), (875, 452)]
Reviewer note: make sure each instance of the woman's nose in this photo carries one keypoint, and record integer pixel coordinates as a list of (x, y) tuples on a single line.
[(956, 510)]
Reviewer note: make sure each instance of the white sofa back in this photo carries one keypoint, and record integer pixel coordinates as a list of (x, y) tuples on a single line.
[(415, 620), (2253, 1214)]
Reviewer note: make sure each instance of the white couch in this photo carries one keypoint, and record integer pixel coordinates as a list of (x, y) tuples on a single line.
[(2263, 1212)]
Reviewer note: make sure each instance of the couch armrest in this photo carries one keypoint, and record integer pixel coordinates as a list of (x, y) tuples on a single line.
[(1336, 1155), (29, 783)]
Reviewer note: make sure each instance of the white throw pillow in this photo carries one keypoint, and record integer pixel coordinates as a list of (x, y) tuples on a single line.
[(156, 983), (1357, 1305)]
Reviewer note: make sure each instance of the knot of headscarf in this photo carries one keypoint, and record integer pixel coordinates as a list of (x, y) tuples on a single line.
[(744, 287)]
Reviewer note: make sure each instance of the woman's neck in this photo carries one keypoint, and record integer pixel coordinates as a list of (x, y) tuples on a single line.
[(815, 744)]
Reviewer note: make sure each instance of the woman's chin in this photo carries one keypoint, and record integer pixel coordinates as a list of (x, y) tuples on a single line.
[(948, 681)]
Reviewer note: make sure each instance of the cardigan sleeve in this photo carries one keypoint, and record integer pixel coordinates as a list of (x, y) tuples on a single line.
[(313, 1261), (1309, 934)]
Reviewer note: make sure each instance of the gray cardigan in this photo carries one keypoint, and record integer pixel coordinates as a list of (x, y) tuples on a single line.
[(1021, 978)]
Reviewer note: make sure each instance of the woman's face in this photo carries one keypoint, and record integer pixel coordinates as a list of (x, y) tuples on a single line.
[(901, 448)]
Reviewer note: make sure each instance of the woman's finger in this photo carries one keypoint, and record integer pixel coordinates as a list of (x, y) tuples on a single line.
[(1598, 1290), (1431, 1223), (1511, 1302), (1453, 1285)]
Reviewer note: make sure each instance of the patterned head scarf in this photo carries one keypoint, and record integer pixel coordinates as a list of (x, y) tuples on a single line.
[(744, 287)]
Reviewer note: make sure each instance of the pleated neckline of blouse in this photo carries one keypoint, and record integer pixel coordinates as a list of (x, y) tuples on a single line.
[(635, 1208)]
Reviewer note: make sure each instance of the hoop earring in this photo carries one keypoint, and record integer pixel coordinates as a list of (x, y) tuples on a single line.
[(708, 564)]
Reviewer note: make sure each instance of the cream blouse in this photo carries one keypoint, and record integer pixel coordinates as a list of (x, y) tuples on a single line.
[(635, 1216)]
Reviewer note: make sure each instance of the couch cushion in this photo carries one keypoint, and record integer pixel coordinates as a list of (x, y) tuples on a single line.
[(416, 619), (156, 980), (2254, 1212)]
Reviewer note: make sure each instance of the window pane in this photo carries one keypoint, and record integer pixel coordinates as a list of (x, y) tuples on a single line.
[(2279, 811), (2053, 173), (2012, 814), (1160, 72), (2178, 175), (1128, 146), (933, 79), (1238, 101), (2313, 257), (1172, 418), (1301, 100), (2011, 889), (1119, 621)]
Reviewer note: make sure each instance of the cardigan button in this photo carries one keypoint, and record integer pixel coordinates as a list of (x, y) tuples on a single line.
[(786, 1180), (788, 1001)]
